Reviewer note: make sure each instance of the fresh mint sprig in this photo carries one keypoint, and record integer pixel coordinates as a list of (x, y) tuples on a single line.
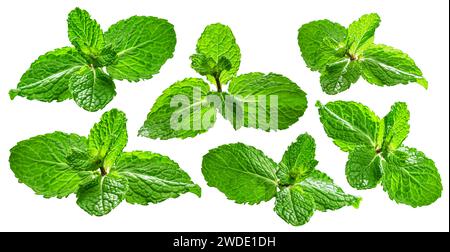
[(247, 176), (96, 169), (377, 154), (342, 55), (133, 49)]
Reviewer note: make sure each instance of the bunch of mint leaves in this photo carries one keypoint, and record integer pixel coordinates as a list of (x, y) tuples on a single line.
[(133, 49), (218, 58), (377, 154), (96, 169), (246, 175), (343, 55)]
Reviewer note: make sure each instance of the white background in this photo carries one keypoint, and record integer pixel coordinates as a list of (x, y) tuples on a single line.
[(267, 34)]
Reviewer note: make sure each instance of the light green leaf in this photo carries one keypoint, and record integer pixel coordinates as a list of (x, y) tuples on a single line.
[(49, 77), (384, 65), (218, 41), (294, 206), (350, 124), (85, 33), (361, 33), (327, 195), (153, 178), (101, 195), (243, 173), (267, 102), (182, 111), (207, 66), (143, 45), (81, 160), (298, 161), (339, 76), (411, 178), (92, 89), (396, 126), (364, 168), (40, 163), (311, 39), (108, 138)]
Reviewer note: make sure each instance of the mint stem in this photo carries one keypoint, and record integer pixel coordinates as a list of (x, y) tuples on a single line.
[(103, 171), (218, 84)]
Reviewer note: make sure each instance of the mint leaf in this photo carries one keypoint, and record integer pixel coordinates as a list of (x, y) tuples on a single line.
[(327, 195), (132, 49), (153, 178), (82, 161), (267, 102), (298, 161), (361, 33), (243, 173), (384, 65), (49, 77), (349, 124), (294, 206), (100, 196), (311, 38), (411, 178), (40, 163), (396, 126), (339, 76), (343, 55), (143, 45), (85, 33), (406, 174), (108, 138), (182, 111), (96, 169), (92, 89), (218, 41), (364, 168), (207, 66)]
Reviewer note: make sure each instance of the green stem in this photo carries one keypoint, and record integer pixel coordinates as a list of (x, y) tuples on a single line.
[(218, 84)]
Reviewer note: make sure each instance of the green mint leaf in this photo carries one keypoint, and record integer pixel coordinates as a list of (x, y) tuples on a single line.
[(267, 102), (350, 124), (182, 111), (49, 77), (327, 195), (85, 33), (294, 206), (207, 66), (298, 161), (384, 65), (92, 89), (406, 174), (218, 41), (311, 39), (364, 168), (243, 173), (82, 161), (411, 178), (153, 178), (343, 55), (101, 195), (108, 138), (143, 45), (361, 33), (107, 57), (339, 76), (40, 163), (396, 126)]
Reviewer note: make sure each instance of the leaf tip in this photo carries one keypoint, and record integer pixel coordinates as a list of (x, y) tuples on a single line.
[(423, 82), (197, 190), (319, 104), (13, 93), (356, 204)]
